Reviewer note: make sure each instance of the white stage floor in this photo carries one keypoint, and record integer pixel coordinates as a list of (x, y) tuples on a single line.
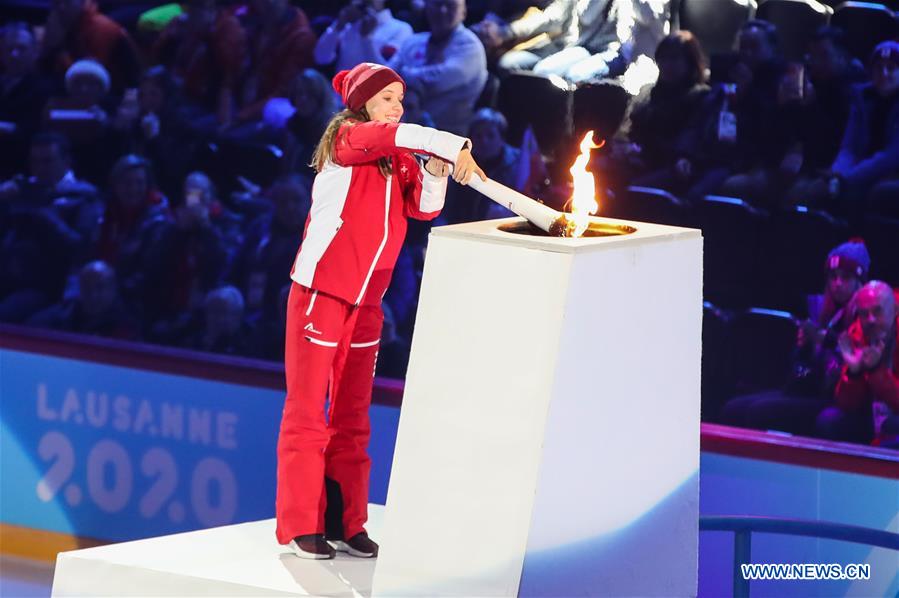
[(236, 560)]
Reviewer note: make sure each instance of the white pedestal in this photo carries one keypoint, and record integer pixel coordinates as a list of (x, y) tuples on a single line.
[(235, 560), (549, 437)]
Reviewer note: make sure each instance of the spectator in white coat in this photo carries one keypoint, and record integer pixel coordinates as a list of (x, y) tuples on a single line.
[(448, 64), (364, 31)]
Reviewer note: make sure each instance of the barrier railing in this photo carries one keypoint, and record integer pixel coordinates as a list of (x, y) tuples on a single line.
[(744, 527)]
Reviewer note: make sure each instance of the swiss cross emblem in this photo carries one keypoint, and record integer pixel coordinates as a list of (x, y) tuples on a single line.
[(404, 170)]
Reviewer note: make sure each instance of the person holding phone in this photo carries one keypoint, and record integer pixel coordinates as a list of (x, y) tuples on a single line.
[(829, 74), (364, 31)]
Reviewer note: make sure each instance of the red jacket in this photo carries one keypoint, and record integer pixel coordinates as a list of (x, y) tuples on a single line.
[(358, 219), (879, 384)]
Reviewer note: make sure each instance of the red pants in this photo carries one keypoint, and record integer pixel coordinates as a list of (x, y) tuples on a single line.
[(331, 350)]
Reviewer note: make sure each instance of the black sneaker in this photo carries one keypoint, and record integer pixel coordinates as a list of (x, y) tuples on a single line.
[(359, 545), (312, 546)]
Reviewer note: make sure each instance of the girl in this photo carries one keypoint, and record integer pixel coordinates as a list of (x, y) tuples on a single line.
[(368, 183)]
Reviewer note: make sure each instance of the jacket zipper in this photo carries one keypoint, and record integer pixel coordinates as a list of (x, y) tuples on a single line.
[(381, 246)]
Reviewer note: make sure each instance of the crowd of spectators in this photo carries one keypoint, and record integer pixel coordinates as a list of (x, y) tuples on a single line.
[(119, 216)]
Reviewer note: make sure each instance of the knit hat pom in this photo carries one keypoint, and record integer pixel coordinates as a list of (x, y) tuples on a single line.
[(337, 82)]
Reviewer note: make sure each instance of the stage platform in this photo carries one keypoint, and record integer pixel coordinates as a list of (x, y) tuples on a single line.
[(235, 560)]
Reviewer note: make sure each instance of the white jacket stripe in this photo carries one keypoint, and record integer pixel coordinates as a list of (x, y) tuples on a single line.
[(439, 143), (383, 242), (329, 194), (311, 302), (315, 341), (433, 192), (362, 345)]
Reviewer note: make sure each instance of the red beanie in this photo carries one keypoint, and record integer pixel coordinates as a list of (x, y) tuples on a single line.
[(357, 85)]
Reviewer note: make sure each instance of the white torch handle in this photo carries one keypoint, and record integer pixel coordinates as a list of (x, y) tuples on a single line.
[(532, 210)]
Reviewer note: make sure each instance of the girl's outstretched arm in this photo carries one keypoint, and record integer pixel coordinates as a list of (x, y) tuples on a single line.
[(358, 143)]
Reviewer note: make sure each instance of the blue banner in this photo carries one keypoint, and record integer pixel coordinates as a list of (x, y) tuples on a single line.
[(114, 453)]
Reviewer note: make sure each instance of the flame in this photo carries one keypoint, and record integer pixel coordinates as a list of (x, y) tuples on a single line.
[(583, 200)]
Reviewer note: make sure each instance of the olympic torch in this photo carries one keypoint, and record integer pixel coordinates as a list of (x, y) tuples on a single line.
[(557, 224)]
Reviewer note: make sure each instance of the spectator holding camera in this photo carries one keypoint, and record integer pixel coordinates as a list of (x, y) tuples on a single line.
[(148, 122), (187, 259), (447, 65), (823, 102), (364, 31)]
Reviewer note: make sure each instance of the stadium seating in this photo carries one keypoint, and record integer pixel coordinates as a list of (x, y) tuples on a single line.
[(715, 22), (796, 22), (761, 345), (732, 230), (866, 24)]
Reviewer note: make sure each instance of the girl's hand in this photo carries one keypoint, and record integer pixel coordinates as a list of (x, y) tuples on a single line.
[(437, 167), (466, 167)]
